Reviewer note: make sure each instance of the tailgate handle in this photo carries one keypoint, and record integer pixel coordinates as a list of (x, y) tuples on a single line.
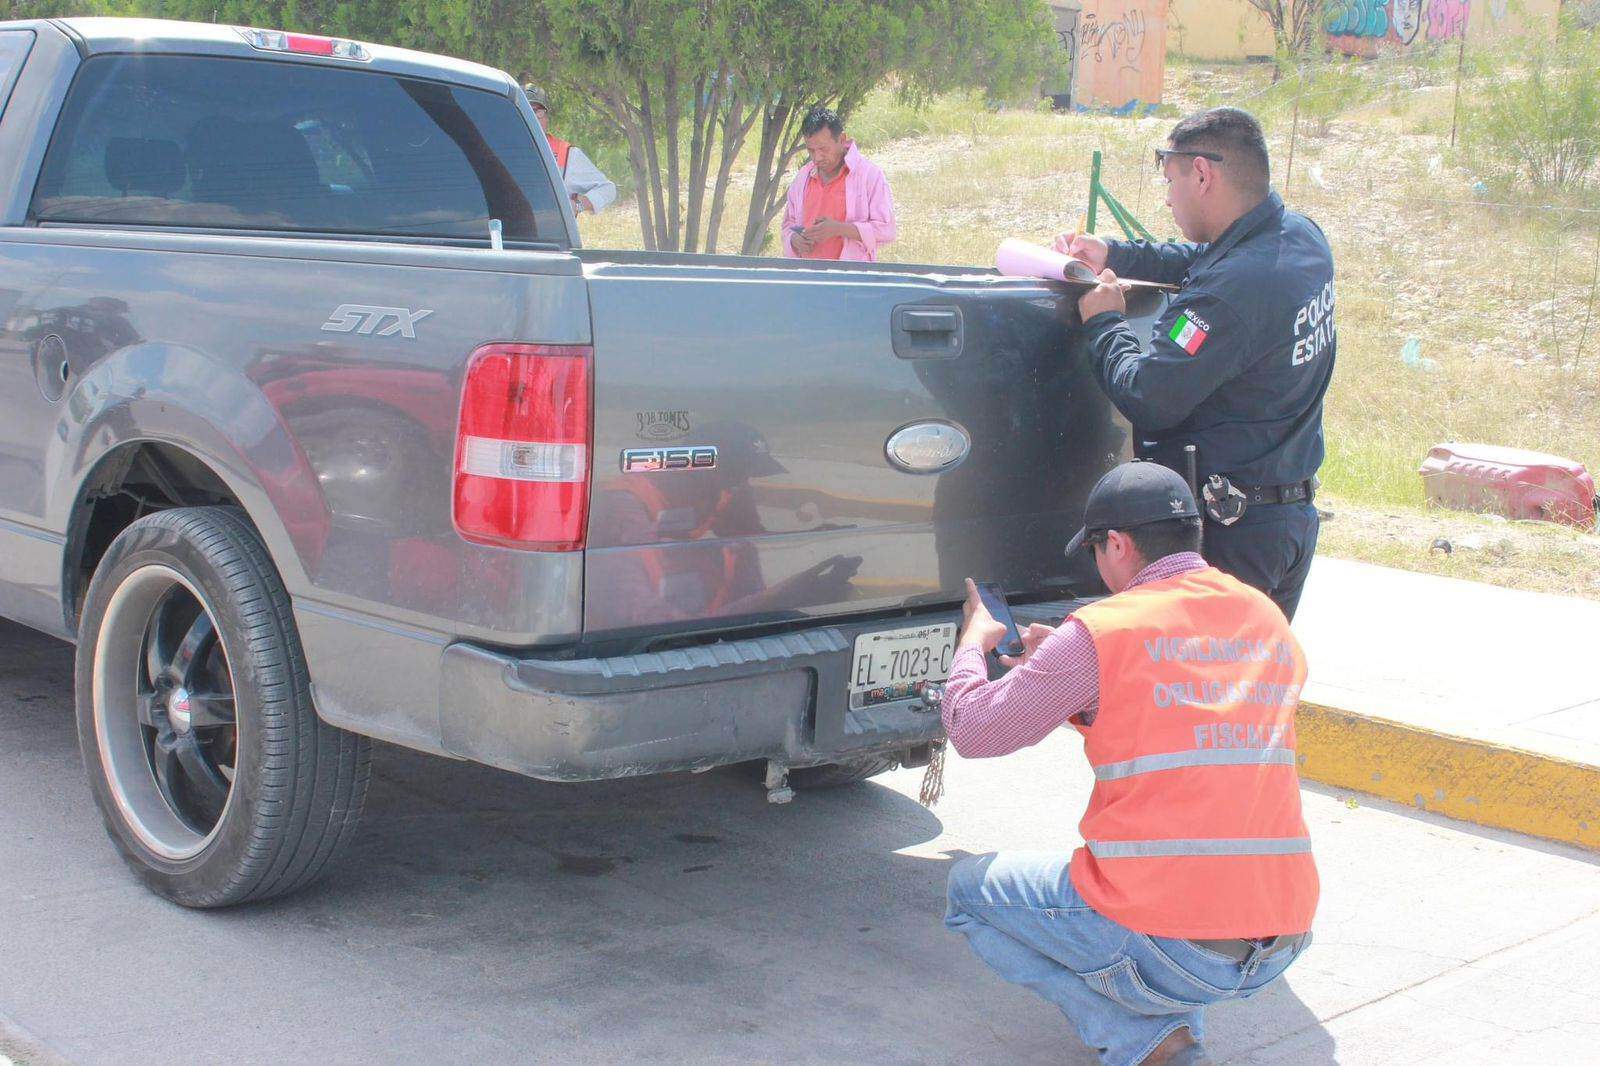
[(921, 331), (931, 321)]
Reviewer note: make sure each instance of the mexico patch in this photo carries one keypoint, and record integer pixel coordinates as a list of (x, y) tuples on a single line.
[(1189, 332)]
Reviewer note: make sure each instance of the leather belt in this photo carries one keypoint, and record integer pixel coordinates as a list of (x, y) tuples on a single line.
[(1256, 495), (1240, 950)]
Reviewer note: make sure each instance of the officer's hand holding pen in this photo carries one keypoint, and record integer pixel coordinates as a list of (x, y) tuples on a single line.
[(1109, 295), (1086, 247)]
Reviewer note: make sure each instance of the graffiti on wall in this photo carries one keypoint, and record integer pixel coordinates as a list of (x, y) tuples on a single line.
[(1117, 54), (1069, 43), (1118, 41), (1359, 26)]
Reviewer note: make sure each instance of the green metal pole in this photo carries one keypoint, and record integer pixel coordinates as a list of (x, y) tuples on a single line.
[(1094, 191), (1120, 213)]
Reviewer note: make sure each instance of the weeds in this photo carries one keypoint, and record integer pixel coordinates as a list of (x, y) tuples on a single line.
[(1541, 123)]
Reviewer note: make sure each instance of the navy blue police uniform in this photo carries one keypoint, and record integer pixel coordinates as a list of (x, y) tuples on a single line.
[(1238, 365)]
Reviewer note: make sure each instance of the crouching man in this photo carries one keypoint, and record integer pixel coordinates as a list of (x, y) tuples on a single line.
[(1195, 883)]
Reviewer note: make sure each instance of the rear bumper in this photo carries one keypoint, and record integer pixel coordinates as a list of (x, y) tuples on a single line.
[(780, 697)]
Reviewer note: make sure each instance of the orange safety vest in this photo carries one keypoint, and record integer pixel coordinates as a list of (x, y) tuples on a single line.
[(1194, 827), (561, 149)]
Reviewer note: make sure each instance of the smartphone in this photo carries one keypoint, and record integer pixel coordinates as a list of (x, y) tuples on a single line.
[(797, 229), (994, 601)]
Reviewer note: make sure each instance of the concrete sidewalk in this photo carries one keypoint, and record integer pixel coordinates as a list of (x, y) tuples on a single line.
[(1477, 702)]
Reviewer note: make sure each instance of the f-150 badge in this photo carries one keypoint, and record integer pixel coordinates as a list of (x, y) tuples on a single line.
[(364, 318), (650, 460)]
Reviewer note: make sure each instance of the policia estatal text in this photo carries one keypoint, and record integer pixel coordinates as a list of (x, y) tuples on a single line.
[(1239, 362)]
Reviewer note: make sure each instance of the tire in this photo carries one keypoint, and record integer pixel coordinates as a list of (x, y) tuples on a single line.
[(838, 774), (215, 778)]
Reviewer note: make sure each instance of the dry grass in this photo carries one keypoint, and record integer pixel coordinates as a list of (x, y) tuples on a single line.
[(1500, 301)]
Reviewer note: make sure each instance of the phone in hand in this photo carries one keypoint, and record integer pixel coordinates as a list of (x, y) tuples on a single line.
[(994, 601)]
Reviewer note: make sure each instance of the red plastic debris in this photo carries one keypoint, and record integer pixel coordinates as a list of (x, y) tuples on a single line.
[(1511, 482)]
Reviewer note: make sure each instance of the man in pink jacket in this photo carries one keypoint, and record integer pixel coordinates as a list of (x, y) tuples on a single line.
[(839, 205)]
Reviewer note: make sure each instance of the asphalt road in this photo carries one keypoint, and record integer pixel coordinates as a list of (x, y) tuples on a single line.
[(487, 917)]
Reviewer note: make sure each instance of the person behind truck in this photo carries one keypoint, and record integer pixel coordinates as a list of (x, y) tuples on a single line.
[(1238, 364), (1195, 883), (839, 205), (587, 187)]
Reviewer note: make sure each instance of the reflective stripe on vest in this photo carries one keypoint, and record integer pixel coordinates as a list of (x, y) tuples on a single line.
[(1144, 849), (1149, 764)]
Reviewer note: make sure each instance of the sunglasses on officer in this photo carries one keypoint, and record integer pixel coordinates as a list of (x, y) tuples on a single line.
[(1163, 153)]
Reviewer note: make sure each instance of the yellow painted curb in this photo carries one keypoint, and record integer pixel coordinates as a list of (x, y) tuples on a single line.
[(1472, 780)]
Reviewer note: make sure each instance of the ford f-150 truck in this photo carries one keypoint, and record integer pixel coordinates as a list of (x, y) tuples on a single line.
[(317, 425)]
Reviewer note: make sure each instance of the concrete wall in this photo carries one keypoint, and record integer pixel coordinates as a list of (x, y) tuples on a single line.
[(1234, 30), (1119, 50), (1218, 29), (1365, 27)]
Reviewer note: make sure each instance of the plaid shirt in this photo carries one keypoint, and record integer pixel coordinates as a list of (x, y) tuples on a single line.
[(1061, 681)]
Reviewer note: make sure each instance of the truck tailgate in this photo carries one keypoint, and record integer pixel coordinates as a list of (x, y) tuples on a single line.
[(799, 378)]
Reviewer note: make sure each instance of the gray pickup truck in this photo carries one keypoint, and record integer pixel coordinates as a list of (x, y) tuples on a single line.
[(317, 426)]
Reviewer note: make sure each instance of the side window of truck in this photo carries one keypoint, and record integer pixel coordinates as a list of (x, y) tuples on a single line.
[(14, 48), (202, 142)]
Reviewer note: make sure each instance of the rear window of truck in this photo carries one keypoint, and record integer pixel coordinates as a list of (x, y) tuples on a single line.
[(199, 142)]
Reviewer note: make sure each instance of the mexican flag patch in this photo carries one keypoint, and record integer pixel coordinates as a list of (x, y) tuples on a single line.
[(1189, 332)]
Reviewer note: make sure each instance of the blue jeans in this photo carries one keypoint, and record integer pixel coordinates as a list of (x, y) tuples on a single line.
[(1124, 991)]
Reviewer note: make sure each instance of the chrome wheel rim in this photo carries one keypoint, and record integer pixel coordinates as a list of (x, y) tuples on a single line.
[(164, 712)]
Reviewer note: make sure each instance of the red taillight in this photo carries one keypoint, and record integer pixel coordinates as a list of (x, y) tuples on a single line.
[(522, 447)]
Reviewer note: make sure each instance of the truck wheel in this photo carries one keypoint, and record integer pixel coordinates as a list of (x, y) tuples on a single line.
[(216, 779), (832, 775)]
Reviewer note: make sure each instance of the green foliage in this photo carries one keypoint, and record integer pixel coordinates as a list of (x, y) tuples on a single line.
[(1333, 87), (1537, 119), (49, 9), (1295, 26)]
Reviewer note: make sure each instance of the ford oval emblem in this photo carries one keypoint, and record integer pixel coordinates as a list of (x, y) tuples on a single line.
[(928, 447)]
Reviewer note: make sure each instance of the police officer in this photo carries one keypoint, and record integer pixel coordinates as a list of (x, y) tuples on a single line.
[(1240, 361)]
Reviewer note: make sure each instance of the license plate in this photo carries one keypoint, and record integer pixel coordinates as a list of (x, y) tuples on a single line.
[(888, 665)]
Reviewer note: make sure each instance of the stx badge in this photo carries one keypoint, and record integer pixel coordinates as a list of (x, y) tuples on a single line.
[(363, 319)]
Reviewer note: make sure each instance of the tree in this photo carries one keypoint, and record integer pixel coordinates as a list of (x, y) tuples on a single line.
[(49, 9), (1295, 25), (687, 83)]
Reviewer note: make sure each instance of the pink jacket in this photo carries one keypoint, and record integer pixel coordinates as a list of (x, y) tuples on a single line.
[(867, 204)]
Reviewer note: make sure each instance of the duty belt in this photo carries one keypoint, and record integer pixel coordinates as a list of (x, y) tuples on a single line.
[(1256, 495), (1241, 950)]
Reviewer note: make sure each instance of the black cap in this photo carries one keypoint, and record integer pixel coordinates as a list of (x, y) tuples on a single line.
[(1134, 494)]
